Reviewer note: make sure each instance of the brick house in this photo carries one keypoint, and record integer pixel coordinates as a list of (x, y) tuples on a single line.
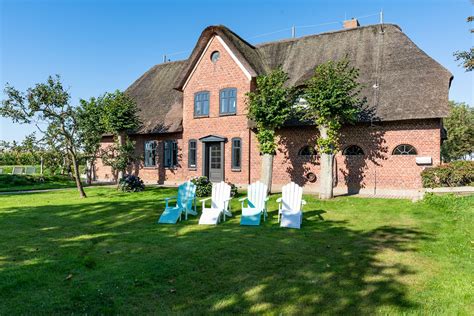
[(194, 122)]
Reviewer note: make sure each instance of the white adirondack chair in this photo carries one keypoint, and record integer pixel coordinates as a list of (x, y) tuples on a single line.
[(256, 204), (220, 205), (290, 208)]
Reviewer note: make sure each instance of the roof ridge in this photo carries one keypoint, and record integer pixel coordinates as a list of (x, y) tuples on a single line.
[(285, 40)]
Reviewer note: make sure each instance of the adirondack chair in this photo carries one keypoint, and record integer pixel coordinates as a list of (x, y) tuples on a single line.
[(291, 206), (17, 170), (185, 201), (220, 205), (256, 204), (30, 170)]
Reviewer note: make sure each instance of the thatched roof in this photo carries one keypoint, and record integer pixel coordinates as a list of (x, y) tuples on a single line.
[(401, 81), (161, 106)]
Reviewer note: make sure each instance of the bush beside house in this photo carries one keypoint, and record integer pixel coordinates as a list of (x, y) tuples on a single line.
[(454, 174)]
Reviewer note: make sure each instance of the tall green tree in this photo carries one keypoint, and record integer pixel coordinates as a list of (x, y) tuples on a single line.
[(47, 103), (460, 129), (89, 117), (269, 106), (466, 57), (332, 96), (120, 117)]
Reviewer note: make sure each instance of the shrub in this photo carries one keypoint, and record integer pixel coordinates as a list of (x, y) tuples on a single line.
[(457, 173), (233, 189), (204, 187), (131, 183)]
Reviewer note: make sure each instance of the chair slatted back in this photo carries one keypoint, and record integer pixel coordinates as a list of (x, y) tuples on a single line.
[(292, 195), (220, 193), (186, 195), (257, 193)]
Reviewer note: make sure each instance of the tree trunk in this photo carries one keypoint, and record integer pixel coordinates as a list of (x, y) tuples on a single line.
[(267, 170), (326, 175), (77, 175), (89, 172), (121, 141)]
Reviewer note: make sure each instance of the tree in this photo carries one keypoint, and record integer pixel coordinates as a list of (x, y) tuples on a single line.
[(47, 103), (89, 116), (460, 128), (120, 116), (466, 57), (332, 96), (269, 106)]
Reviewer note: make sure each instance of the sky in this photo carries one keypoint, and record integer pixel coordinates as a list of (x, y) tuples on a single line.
[(103, 45)]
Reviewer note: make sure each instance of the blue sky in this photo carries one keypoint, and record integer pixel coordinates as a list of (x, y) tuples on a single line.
[(99, 46)]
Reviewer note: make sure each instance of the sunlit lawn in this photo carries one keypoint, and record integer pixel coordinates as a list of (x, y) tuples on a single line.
[(106, 255)]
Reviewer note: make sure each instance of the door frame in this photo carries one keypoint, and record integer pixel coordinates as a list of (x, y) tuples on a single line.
[(206, 142)]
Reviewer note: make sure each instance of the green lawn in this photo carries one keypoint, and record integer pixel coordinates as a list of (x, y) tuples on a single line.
[(106, 255), (11, 183)]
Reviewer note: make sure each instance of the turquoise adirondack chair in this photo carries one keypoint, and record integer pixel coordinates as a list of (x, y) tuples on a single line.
[(185, 203), (256, 204)]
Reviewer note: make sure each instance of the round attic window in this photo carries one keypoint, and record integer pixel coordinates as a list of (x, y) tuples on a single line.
[(215, 56)]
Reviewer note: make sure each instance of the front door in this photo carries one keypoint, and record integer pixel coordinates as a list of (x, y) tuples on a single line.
[(216, 168)]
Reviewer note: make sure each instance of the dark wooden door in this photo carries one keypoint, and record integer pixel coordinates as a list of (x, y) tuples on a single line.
[(216, 168)]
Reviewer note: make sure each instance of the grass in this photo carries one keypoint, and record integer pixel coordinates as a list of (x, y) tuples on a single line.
[(11, 183), (60, 254)]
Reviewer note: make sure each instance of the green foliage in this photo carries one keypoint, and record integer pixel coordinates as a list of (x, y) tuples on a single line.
[(120, 113), (47, 103), (203, 186), (466, 57), (460, 128), (333, 99), (131, 183), (269, 106), (119, 116), (9, 182), (457, 173), (119, 156), (89, 116)]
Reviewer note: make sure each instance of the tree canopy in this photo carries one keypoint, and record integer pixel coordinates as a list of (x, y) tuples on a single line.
[(460, 129)]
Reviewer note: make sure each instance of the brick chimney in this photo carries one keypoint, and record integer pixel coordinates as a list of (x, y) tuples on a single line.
[(351, 24)]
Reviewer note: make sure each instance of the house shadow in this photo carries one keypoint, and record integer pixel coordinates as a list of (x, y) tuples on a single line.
[(359, 171), (114, 247), (297, 166)]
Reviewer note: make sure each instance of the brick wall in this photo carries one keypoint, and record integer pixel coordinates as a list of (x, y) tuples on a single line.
[(377, 168), (213, 77)]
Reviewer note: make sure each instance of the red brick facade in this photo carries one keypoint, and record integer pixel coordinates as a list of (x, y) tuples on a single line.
[(376, 169)]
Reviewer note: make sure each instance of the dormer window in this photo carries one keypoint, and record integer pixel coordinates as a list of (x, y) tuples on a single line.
[(228, 101)]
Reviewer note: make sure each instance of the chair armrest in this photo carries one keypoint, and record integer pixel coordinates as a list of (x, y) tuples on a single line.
[(303, 202), (204, 200), (279, 200), (169, 198), (243, 199)]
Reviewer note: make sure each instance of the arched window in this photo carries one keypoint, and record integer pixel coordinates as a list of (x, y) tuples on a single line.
[(404, 149), (353, 150), (307, 151)]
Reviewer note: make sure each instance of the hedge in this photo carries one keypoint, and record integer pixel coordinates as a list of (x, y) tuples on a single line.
[(454, 174)]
